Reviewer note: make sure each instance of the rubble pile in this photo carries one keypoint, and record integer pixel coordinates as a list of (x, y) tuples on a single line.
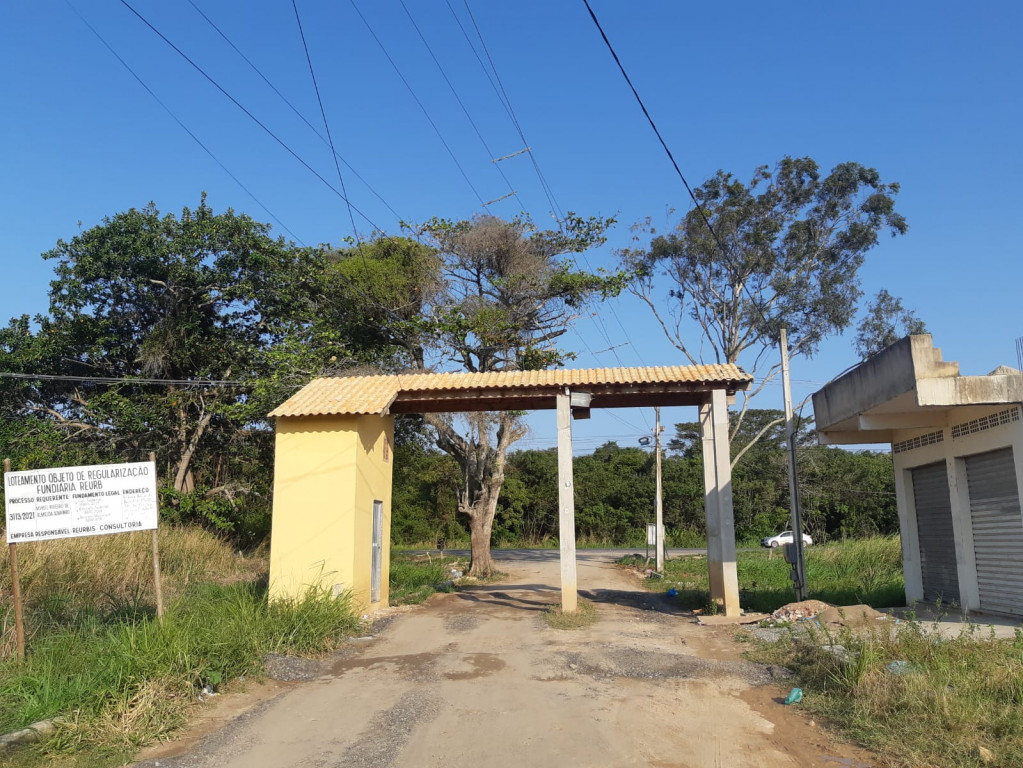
[(801, 611)]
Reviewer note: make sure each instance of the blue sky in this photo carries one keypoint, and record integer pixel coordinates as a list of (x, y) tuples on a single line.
[(928, 93)]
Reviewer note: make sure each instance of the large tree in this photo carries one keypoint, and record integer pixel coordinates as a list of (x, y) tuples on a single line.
[(781, 251), (149, 315), (477, 296)]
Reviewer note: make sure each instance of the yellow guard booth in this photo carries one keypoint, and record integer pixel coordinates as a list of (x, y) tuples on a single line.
[(332, 506), (332, 476)]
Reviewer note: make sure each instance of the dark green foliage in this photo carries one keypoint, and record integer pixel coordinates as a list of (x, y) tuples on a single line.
[(844, 494), (424, 501), (885, 323), (200, 297)]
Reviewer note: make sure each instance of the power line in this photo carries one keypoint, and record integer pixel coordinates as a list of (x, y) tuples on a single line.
[(418, 101), (465, 110), (599, 322), (504, 98), (251, 116), (123, 380), (326, 125), (293, 108), (653, 125), (555, 208), (177, 120), (726, 254)]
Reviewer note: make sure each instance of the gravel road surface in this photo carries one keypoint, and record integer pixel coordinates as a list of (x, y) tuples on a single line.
[(477, 679)]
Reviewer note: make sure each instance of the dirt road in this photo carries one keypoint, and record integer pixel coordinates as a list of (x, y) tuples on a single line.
[(477, 679)]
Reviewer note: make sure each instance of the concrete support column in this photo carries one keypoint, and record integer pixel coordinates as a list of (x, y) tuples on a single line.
[(717, 479), (962, 528), (904, 499), (566, 505)]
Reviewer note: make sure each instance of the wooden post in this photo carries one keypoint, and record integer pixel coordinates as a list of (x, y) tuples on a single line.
[(566, 506), (156, 558), (19, 619)]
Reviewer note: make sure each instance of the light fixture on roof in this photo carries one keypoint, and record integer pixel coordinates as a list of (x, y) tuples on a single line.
[(580, 403)]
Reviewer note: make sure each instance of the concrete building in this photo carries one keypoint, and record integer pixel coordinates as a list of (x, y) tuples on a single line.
[(957, 445)]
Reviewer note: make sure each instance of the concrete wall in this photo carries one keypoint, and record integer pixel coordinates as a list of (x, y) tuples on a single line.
[(953, 452), (327, 472)]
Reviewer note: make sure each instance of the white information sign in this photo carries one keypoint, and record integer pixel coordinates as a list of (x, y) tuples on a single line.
[(66, 502)]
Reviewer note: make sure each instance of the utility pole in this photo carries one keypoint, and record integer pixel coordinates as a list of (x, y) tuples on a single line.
[(799, 566), (659, 506)]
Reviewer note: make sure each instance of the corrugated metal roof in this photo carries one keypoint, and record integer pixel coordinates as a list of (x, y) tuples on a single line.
[(357, 395)]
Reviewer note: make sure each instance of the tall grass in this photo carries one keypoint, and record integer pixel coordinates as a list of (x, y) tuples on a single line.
[(946, 699), (111, 575), (415, 578), (844, 573), (99, 659)]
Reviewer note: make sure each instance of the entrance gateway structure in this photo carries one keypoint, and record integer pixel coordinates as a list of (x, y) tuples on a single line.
[(332, 474)]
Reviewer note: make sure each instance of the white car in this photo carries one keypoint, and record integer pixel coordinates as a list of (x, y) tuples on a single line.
[(785, 537)]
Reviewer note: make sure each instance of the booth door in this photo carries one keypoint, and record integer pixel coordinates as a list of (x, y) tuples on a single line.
[(378, 551)]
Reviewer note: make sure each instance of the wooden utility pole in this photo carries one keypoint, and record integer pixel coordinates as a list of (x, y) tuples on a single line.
[(19, 619), (658, 503), (799, 567), (157, 587)]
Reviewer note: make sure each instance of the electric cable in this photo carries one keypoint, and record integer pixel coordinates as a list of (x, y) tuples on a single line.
[(461, 104), (599, 321), (184, 127), (251, 116), (123, 380), (293, 108), (326, 125), (415, 98), (504, 99), (726, 254), (555, 208)]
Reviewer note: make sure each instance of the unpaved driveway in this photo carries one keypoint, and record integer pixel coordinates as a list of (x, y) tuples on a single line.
[(477, 679)]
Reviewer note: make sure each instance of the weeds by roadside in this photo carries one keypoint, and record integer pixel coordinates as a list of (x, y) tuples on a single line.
[(123, 681), (910, 694), (865, 571), (584, 616), (117, 678), (414, 578)]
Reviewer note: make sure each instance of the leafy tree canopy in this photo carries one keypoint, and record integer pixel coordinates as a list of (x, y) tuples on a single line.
[(792, 241), (885, 323)]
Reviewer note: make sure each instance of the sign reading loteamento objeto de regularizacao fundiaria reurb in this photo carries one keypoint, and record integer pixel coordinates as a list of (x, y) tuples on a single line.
[(65, 502)]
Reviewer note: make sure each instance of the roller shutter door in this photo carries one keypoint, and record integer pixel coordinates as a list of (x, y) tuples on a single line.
[(935, 534), (997, 531)]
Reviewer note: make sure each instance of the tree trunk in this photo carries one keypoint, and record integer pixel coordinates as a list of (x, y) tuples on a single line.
[(182, 477), (481, 524), (482, 467)]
